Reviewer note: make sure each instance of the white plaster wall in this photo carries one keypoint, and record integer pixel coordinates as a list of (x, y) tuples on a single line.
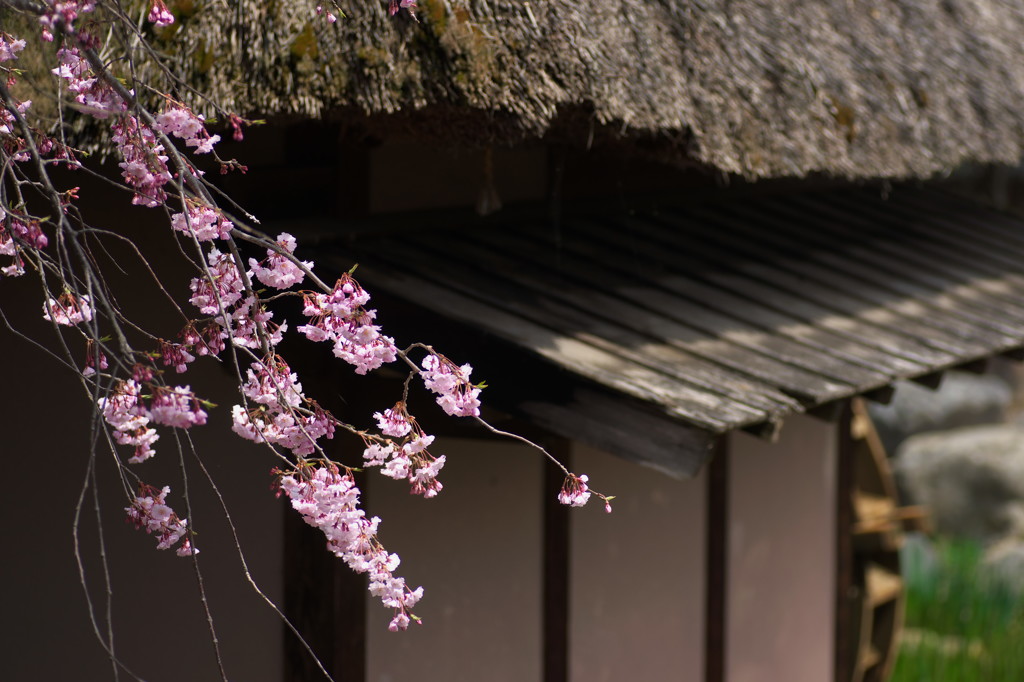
[(637, 575), (476, 549), (781, 562)]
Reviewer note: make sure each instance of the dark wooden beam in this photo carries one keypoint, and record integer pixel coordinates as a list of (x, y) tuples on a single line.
[(717, 578), (555, 629), (828, 412), (979, 366), (767, 430), (882, 396), (326, 602), (932, 380), (845, 650)]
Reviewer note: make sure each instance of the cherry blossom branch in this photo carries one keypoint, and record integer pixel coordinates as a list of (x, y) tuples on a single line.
[(131, 389)]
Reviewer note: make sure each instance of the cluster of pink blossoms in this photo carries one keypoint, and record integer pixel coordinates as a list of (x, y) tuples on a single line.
[(575, 492), (145, 165), (9, 49), (93, 358), (130, 412), (456, 396), (67, 310), (159, 14), (329, 501), (395, 5), (177, 120), (93, 94), (327, 15), (283, 415), (27, 234), (408, 458), (150, 511), (224, 290), (277, 270), (340, 317), (64, 12), (204, 222)]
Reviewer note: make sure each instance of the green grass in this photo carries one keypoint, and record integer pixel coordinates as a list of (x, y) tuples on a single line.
[(962, 624)]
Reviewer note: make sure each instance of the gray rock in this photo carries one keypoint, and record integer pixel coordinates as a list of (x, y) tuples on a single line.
[(971, 479), (962, 400), (1004, 565), (918, 559)]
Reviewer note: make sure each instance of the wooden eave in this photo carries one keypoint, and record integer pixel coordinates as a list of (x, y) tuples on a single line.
[(683, 323)]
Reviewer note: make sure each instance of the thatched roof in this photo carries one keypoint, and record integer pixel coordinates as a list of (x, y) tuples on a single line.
[(876, 88)]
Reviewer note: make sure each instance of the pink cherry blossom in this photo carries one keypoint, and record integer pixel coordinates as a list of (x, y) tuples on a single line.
[(10, 47), (329, 501), (176, 355), (204, 222), (68, 310), (273, 384), (181, 122), (456, 395), (225, 289), (150, 511), (340, 317), (93, 94), (159, 14), (145, 165), (93, 358), (277, 270), (177, 407), (575, 492), (394, 421)]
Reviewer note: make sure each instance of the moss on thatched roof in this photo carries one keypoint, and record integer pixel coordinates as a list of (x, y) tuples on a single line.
[(874, 88)]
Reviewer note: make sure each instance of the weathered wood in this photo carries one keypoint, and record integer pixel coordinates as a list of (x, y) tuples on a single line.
[(717, 571), (676, 276), (585, 359), (856, 294), (536, 295), (698, 330), (720, 317), (555, 597), (736, 249), (612, 425), (914, 263)]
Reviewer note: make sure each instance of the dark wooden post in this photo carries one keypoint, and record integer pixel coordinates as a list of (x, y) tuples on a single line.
[(845, 638), (555, 608), (717, 563)]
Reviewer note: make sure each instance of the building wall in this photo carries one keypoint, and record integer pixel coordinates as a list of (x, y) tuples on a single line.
[(476, 550), (637, 575), (160, 628), (781, 560)]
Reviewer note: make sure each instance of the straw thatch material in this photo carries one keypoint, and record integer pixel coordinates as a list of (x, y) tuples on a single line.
[(873, 88)]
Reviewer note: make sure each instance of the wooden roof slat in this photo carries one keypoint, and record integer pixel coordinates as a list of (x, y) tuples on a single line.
[(830, 290), (684, 327), (941, 267), (728, 316), (518, 295), (761, 306), (580, 357), (700, 330), (972, 319), (900, 314)]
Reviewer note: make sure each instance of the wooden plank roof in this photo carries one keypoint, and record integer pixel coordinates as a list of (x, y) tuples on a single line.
[(732, 314)]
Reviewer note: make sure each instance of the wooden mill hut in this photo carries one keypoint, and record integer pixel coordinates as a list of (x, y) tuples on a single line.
[(677, 239)]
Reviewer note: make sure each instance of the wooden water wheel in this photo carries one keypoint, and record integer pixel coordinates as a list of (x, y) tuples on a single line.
[(877, 590)]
